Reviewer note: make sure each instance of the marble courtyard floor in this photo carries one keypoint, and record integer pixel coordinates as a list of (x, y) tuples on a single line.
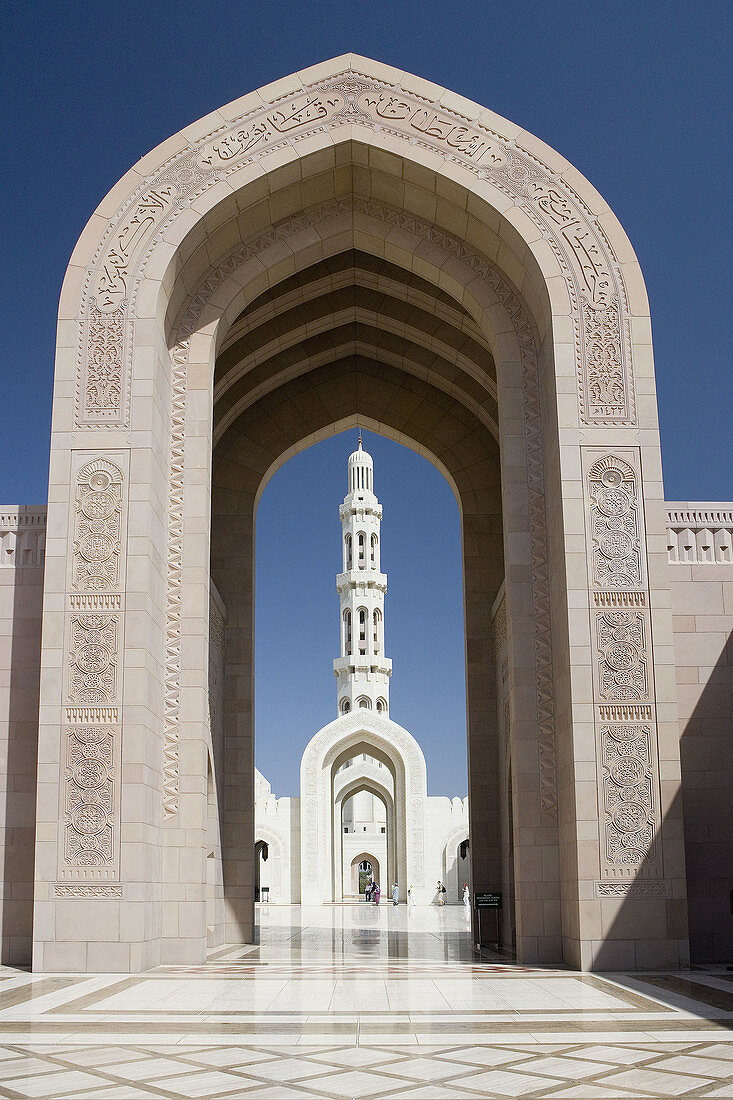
[(357, 1002)]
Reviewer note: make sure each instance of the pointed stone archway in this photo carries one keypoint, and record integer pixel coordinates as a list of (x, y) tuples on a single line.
[(353, 242)]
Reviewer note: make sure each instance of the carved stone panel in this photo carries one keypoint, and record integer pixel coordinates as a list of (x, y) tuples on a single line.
[(615, 525), (628, 798), (93, 659), (97, 528), (90, 802), (626, 732), (102, 395), (622, 656), (606, 389), (91, 739)]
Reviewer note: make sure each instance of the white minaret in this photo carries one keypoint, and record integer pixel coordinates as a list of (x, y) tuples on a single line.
[(362, 671)]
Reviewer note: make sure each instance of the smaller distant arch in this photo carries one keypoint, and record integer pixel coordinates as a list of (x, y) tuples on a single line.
[(382, 707), (345, 706), (364, 703)]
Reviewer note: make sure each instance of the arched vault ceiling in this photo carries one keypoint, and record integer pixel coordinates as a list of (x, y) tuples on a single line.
[(399, 404), (358, 306)]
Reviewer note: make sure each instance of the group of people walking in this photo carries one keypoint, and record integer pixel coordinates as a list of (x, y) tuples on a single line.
[(373, 892)]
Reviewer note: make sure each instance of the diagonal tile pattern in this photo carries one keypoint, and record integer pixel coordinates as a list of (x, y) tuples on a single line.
[(306, 1014)]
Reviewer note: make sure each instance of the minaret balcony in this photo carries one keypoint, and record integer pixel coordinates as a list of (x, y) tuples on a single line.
[(365, 578), (360, 504), (372, 662)]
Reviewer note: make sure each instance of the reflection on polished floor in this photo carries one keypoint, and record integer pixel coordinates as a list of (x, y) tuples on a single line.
[(353, 1001), (363, 931)]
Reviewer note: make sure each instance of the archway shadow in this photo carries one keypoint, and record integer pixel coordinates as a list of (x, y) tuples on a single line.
[(703, 810), (23, 598)]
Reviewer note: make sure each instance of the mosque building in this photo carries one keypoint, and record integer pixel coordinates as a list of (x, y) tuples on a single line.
[(354, 245), (363, 777)]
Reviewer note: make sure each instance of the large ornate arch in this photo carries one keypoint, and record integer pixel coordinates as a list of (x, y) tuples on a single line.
[(142, 315)]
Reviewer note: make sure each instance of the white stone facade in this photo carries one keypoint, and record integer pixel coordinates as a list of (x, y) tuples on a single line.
[(355, 245)]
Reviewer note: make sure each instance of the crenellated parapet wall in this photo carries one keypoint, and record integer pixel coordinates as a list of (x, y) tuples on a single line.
[(700, 533), (22, 536)]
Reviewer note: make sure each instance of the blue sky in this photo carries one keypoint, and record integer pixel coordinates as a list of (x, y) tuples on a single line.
[(635, 94)]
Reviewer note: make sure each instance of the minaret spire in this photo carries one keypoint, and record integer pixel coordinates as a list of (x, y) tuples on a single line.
[(362, 671)]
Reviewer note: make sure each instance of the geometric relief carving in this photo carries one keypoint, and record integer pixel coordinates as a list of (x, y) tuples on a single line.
[(615, 527), (637, 889), (622, 660), (97, 547), (75, 890), (171, 702), (89, 797), (93, 659), (628, 799)]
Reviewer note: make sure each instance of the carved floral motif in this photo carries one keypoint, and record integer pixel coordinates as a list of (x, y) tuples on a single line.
[(622, 656), (615, 524), (89, 797), (607, 393), (93, 659), (628, 798), (104, 395), (97, 547)]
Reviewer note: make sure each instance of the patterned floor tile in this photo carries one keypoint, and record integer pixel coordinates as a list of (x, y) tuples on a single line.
[(423, 1069), (53, 1085), (208, 1032), (485, 1056), (590, 1092), (288, 1069), (354, 1056), (697, 1063), (504, 1083), (113, 1092), (209, 1083), (656, 1082), (568, 1068), (229, 1057)]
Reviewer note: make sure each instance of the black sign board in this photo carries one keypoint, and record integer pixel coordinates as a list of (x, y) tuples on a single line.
[(487, 901)]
